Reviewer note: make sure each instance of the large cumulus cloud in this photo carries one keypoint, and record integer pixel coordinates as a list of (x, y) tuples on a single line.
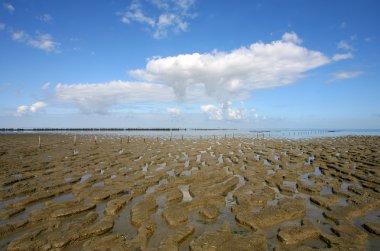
[(224, 74)]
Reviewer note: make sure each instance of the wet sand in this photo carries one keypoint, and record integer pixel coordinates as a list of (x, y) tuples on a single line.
[(191, 194)]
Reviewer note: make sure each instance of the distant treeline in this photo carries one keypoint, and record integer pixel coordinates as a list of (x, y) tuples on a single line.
[(89, 129), (105, 129), (205, 129)]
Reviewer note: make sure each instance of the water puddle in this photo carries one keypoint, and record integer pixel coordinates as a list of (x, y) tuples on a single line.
[(317, 171), (10, 201), (85, 177), (139, 158), (292, 184), (230, 201), (371, 217), (165, 229), (64, 198), (305, 177), (310, 160), (171, 173), (220, 159), (67, 179), (315, 215), (123, 225), (99, 184), (24, 215), (185, 173), (326, 190), (346, 185), (161, 166), (187, 162), (145, 168), (270, 172), (185, 191), (17, 176), (100, 209), (266, 162), (153, 188), (342, 202), (198, 158)]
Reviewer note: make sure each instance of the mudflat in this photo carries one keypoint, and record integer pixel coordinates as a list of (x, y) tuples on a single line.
[(135, 193)]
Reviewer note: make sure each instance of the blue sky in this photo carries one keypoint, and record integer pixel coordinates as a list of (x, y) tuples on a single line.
[(190, 63)]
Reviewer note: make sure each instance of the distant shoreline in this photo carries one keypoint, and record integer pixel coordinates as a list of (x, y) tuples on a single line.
[(199, 132), (108, 129)]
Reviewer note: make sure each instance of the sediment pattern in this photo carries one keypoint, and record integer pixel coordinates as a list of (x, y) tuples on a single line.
[(189, 194)]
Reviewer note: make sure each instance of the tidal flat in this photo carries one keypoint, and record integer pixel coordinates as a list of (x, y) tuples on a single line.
[(223, 193)]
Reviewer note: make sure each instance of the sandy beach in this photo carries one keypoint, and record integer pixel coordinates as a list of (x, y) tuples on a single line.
[(188, 194)]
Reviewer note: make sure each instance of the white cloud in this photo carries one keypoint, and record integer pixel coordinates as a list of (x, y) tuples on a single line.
[(341, 75), (19, 35), (344, 46), (135, 14), (44, 42), (45, 86), (45, 18), (214, 112), (41, 41), (227, 74), (291, 37), (24, 109), (224, 112), (338, 57), (99, 98), (9, 7), (21, 110), (174, 111), (37, 106), (173, 17), (221, 77)]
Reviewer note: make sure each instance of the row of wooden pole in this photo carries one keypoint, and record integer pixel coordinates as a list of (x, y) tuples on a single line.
[(95, 139)]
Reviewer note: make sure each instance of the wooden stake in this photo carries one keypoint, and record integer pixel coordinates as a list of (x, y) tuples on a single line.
[(39, 141), (75, 140), (95, 140), (128, 140)]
